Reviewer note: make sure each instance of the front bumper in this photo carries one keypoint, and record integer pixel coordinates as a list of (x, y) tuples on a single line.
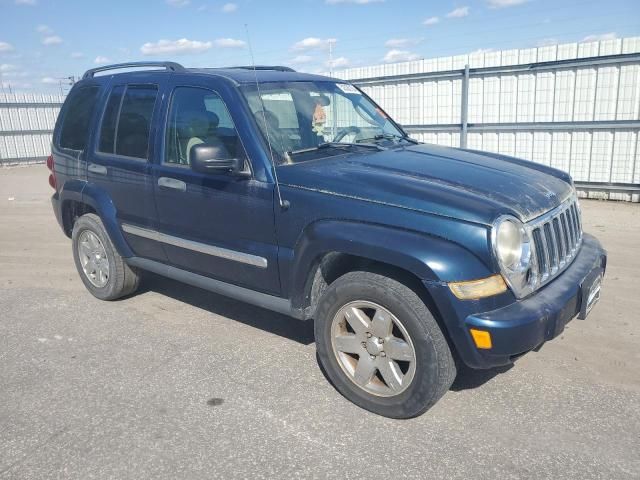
[(526, 324)]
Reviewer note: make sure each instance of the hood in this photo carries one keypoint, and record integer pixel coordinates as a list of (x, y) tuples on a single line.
[(464, 184)]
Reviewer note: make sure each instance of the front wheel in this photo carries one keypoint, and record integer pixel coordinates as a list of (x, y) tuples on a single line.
[(381, 347)]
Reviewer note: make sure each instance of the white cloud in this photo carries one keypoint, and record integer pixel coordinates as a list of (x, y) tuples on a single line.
[(30, 3), (51, 40), (356, 2), (44, 29), (401, 42), (229, 43), (175, 47), (339, 62), (396, 55), (313, 43), (5, 47), (301, 59), (431, 21), (178, 3), (229, 7), (458, 12), (505, 3), (102, 60), (600, 36), (50, 81), (77, 55)]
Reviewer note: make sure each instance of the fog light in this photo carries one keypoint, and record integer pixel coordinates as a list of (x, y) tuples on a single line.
[(474, 289), (481, 338)]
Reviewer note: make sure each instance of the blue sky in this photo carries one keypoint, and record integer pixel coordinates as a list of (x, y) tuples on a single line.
[(44, 40)]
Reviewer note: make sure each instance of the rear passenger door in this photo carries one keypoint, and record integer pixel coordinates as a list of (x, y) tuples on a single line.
[(119, 164), (214, 224)]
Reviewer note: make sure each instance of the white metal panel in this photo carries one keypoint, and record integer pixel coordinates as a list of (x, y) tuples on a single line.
[(624, 152), (524, 145), (606, 93), (580, 155), (475, 100), (491, 100), (507, 143), (541, 147), (561, 150), (584, 94), (545, 84), (563, 96), (628, 107), (445, 101), (526, 97), (601, 150)]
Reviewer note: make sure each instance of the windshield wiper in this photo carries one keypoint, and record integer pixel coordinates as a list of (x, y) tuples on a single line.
[(343, 145), (387, 136)]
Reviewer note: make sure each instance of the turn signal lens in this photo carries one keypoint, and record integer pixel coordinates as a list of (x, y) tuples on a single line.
[(481, 338), (474, 289)]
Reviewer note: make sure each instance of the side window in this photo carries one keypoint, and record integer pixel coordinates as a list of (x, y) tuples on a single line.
[(77, 117), (110, 121), (197, 115), (127, 121)]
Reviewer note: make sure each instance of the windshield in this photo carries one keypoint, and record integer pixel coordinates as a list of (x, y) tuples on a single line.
[(302, 119)]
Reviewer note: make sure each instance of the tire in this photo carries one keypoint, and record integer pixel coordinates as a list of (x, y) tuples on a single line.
[(422, 385), (121, 279)]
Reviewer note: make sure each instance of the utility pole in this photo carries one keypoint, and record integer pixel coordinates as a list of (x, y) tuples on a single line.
[(331, 57)]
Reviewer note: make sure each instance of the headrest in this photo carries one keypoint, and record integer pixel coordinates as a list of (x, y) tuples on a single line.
[(198, 124)]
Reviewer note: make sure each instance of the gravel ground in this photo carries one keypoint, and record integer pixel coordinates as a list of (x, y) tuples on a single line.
[(179, 383)]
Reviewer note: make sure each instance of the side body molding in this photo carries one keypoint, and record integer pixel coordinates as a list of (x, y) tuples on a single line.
[(430, 258)]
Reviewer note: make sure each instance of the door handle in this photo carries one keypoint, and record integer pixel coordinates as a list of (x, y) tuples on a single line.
[(172, 183), (98, 169)]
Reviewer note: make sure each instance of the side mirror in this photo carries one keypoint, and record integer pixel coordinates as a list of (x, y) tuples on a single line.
[(206, 158)]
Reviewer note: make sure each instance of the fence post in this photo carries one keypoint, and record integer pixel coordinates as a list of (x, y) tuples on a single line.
[(464, 107)]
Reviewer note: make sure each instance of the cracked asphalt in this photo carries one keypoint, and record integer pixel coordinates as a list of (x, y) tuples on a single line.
[(178, 383)]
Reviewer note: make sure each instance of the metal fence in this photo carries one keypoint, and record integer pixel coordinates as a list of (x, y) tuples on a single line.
[(575, 107), (26, 125)]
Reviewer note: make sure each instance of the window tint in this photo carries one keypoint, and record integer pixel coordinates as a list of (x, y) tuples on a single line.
[(199, 116), (110, 121), (77, 117), (132, 133)]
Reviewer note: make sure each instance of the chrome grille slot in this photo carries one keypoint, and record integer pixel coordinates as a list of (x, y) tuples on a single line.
[(556, 236)]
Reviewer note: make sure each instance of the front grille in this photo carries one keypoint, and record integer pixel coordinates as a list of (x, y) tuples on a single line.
[(557, 236)]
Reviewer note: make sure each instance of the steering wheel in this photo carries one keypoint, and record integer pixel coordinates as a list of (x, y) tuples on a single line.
[(343, 132)]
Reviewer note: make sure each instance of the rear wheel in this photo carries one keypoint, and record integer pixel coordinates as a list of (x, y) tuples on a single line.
[(381, 347), (102, 270)]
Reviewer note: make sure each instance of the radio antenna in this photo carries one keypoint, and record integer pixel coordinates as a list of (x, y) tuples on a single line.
[(284, 204)]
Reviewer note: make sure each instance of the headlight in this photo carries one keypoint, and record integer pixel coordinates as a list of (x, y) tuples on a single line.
[(512, 249)]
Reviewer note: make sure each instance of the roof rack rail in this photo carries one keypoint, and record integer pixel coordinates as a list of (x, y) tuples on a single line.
[(278, 68), (169, 66)]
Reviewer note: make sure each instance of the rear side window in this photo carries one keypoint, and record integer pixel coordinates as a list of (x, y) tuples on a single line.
[(77, 117), (127, 121)]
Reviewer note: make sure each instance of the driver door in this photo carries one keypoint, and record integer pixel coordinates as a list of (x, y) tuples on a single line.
[(213, 224)]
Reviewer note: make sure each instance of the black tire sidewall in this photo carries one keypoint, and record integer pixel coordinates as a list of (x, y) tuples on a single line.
[(426, 386), (93, 224)]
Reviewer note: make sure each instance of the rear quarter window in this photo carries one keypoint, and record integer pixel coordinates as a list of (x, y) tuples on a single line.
[(77, 116), (126, 123)]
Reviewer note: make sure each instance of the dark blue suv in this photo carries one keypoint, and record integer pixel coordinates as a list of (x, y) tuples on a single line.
[(299, 194)]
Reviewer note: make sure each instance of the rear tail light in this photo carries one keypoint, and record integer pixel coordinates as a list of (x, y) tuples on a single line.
[(52, 175)]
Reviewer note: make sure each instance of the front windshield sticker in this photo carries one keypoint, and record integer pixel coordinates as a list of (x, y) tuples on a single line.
[(347, 88), (319, 119)]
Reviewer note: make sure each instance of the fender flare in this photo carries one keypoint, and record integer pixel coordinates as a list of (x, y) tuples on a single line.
[(100, 201), (430, 258)]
